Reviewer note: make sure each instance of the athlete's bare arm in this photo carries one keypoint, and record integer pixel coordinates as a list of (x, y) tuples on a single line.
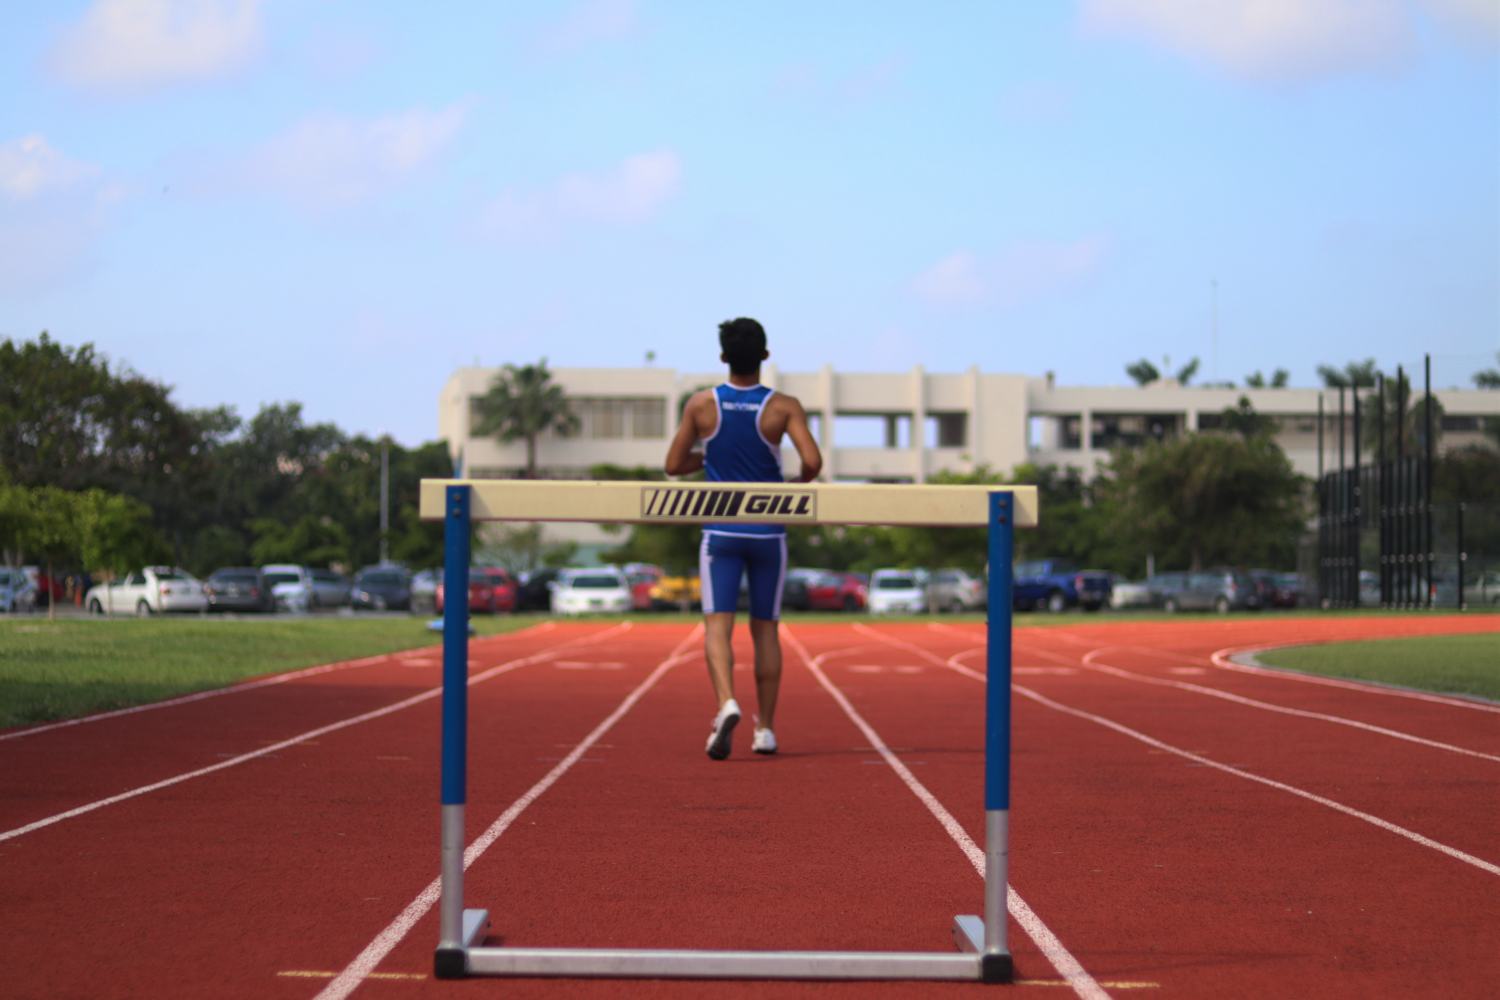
[(696, 424), (789, 409)]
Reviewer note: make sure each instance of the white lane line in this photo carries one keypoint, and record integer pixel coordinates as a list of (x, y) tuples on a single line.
[(375, 952), (1222, 658), (1062, 960), (1339, 720), (326, 668), (1401, 831), (303, 738)]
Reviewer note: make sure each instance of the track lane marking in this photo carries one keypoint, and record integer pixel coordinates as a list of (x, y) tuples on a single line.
[(375, 952), (306, 737), (1048, 943), (1266, 706), (325, 668), (1222, 658), (1124, 730)]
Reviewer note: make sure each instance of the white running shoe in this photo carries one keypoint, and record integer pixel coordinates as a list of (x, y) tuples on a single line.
[(764, 741), (724, 723)]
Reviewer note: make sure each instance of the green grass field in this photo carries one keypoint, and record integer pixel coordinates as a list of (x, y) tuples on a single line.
[(1448, 664), (71, 667)]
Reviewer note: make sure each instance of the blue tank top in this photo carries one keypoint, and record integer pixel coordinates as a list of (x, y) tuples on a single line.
[(737, 452)]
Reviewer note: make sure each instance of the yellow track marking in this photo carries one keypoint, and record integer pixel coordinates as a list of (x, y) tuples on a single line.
[(319, 974)]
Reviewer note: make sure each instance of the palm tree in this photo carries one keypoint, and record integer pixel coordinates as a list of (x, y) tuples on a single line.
[(1354, 375), (1258, 380), (522, 402), (1489, 378), (1143, 371)]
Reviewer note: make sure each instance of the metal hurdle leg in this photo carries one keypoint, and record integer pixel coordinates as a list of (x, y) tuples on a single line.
[(459, 928), (987, 937)]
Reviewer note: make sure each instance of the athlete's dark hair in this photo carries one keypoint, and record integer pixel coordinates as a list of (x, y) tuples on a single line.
[(743, 343)]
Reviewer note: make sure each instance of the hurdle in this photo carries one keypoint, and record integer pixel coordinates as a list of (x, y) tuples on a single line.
[(981, 951)]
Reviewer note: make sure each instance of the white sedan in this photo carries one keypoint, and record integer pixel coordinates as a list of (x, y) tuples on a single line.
[(148, 591), (586, 591)]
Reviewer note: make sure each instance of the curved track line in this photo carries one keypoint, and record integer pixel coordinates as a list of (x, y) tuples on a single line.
[(1266, 706), (325, 668), (1222, 658), (1053, 949), (293, 741), (369, 959), (1124, 730)]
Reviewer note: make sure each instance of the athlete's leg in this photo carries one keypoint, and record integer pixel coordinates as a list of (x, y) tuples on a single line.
[(767, 669), (767, 570), (719, 570), (717, 631)]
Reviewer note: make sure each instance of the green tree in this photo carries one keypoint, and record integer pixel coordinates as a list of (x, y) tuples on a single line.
[(49, 529), (1354, 375), (1488, 378), (115, 533), (1377, 412), (1211, 498), (1186, 372), (522, 403), (1258, 380), (1143, 371), (1244, 420)]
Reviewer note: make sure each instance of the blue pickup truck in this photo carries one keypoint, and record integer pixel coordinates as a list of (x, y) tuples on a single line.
[(1056, 585)]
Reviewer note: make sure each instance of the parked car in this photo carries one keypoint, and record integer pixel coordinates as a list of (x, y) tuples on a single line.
[(536, 590), (424, 589), (491, 589), (796, 590), (898, 591), (642, 578), (1275, 589), (330, 589), (17, 592), (677, 593), (381, 588), (584, 591), (1056, 585), (955, 590), (837, 592), (238, 588), (153, 590), (1220, 590), (292, 586), (46, 588), (1126, 594)]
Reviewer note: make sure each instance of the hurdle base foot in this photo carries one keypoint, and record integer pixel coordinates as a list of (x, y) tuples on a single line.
[(968, 936), (453, 963)]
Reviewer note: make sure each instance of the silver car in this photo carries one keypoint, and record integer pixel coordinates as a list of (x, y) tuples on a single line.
[(330, 589), (1220, 590), (17, 592)]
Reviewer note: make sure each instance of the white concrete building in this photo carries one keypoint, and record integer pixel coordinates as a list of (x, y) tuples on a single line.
[(906, 426)]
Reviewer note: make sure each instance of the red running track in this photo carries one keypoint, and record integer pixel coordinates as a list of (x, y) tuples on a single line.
[(1291, 839)]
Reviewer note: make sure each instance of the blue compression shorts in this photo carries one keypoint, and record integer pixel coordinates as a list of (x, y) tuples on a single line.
[(723, 560)]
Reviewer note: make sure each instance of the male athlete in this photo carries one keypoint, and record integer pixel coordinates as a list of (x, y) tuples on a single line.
[(741, 424)]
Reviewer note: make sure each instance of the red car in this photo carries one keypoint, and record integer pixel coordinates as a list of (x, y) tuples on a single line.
[(642, 577), (837, 592), (491, 589)]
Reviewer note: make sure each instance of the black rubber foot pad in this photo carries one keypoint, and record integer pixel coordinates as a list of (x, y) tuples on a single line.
[(996, 969), (449, 963)]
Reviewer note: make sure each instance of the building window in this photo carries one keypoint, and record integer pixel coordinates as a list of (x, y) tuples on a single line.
[(1458, 423), (617, 417), (947, 430)]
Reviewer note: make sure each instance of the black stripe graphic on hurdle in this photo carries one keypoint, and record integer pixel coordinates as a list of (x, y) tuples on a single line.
[(653, 497), (732, 509), (720, 501), (669, 508), (677, 499), (703, 497)]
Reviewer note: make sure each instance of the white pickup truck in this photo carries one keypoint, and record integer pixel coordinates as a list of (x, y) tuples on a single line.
[(149, 591)]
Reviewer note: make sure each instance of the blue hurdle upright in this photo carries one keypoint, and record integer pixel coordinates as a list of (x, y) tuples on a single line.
[(981, 953)]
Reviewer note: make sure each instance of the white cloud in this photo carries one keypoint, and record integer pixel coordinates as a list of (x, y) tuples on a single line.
[(1265, 39), (143, 43), (30, 167), (630, 192), (1019, 273), (55, 210), (588, 22), (330, 161)]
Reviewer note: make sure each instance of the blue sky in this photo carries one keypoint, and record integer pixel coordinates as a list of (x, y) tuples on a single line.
[(339, 203)]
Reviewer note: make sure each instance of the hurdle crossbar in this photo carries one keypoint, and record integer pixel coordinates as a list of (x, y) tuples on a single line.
[(981, 952)]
